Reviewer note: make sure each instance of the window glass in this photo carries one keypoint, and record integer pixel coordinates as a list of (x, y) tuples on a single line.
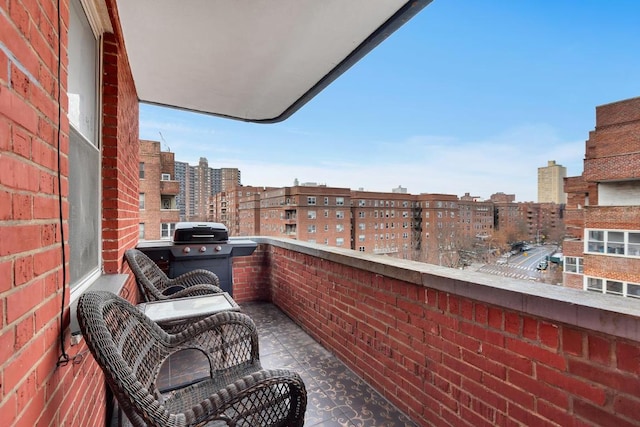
[(570, 265), (595, 241), (167, 229), (594, 284), (614, 287), (85, 210), (633, 290), (615, 242), (634, 244)]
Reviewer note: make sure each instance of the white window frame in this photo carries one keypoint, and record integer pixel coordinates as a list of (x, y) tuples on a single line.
[(77, 123), (614, 242), (339, 228), (340, 214), (627, 289), (573, 264), (311, 200), (339, 241), (311, 228), (166, 230), (311, 214), (339, 201), (165, 177)]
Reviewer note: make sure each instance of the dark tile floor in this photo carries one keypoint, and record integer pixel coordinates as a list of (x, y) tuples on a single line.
[(336, 396)]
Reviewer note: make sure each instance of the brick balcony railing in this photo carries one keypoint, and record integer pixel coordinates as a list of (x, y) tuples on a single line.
[(170, 188), (456, 347)]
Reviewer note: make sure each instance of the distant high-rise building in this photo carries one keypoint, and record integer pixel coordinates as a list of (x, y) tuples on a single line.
[(198, 185), (551, 184)]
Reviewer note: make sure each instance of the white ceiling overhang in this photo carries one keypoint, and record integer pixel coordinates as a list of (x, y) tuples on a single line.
[(252, 60)]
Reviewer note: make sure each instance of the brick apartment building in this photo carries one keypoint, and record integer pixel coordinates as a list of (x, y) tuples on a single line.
[(432, 228), (158, 192), (228, 207), (383, 223), (602, 250)]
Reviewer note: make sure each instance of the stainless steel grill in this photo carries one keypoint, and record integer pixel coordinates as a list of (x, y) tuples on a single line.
[(199, 245)]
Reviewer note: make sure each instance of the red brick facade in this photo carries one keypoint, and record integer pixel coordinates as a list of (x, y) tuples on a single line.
[(607, 195), (35, 391), (160, 205)]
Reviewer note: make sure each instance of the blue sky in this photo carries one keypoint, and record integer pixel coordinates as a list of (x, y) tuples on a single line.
[(469, 96)]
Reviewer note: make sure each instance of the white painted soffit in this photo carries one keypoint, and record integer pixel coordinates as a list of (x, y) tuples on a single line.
[(252, 60)]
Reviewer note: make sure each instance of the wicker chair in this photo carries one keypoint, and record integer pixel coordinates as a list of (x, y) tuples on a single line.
[(130, 349), (155, 285)]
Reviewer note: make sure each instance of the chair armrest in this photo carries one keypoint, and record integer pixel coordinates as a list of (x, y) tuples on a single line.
[(228, 338), (177, 291), (264, 397), (196, 277)]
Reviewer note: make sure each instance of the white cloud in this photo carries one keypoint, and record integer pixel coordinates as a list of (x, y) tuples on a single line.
[(507, 162)]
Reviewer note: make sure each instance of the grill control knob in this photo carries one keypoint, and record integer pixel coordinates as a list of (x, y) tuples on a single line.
[(218, 248), (203, 248), (186, 249)]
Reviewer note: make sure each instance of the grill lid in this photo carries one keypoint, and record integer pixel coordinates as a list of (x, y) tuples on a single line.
[(200, 232)]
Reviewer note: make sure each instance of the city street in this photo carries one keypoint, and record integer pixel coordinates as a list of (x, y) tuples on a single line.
[(521, 266)]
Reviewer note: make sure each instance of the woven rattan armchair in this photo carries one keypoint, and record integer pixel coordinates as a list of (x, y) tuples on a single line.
[(155, 285), (130, 349)]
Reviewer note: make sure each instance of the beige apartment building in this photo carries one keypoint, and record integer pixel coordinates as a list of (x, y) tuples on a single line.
[(602, 249), (158, 191), (551, 184)]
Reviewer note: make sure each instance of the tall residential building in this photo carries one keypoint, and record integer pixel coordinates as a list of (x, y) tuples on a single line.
[(158, 192), (602, 248), (198, 185), (550, 183)]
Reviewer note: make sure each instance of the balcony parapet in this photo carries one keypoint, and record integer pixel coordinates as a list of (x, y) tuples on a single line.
[(169, 188), (607, 314), (445, 344)]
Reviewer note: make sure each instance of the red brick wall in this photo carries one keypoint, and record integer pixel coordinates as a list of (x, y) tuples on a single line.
[(33, 389), (612, 150), (119, 153), (251, 276), (449, 360)]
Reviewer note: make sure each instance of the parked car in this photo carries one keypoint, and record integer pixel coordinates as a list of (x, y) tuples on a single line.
[(543, 265)]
